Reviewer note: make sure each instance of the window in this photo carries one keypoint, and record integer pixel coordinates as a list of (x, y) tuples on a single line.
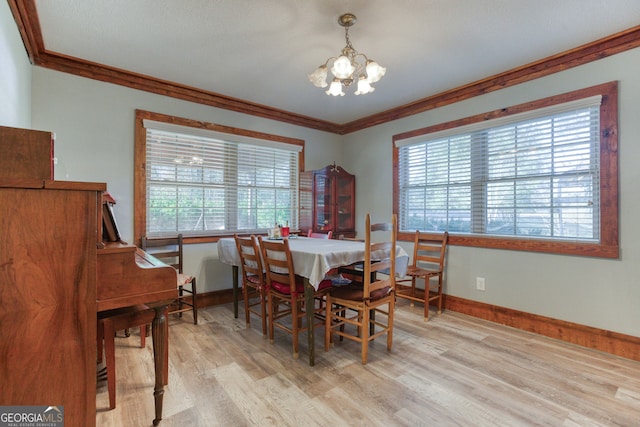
[(532, 177), (206, 181)]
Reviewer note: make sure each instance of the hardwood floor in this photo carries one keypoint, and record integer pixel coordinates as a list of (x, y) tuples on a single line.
[(454, 370)]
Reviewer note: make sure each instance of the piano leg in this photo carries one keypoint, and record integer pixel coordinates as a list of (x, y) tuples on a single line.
[(159, 332)]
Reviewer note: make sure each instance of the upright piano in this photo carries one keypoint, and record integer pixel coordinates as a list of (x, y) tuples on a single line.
[(56, 272)]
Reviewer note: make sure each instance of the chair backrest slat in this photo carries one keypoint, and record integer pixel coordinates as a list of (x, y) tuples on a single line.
[(166, 249), (250, 260), (278, 262), (379, 256), (429, 250)]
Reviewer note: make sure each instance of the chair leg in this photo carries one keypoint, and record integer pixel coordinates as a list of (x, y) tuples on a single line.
[(427, 292), (271, 309), (440, 294), (295, 325), (392, 307), (300, 305), (364, 330), (245, 296), (413, 291), (263, 310), (328, 320), (372, 326), (180, 295), (194, 301)]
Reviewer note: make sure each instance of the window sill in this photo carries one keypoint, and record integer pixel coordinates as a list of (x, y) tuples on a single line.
[(531, 245)]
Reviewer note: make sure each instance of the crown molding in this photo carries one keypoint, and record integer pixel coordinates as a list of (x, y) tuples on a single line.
[(26, 17)]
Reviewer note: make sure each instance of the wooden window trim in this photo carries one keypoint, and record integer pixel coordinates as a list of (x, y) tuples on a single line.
[(139, 164), (608, 247)]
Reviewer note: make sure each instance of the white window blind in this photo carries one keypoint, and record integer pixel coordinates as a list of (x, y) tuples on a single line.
[(200, 182), (533, 175)]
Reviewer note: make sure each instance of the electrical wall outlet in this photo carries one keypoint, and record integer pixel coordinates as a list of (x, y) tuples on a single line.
[(480, 283)]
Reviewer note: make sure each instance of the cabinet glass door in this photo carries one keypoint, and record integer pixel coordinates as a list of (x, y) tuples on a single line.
[(344, 203), (324, 205)]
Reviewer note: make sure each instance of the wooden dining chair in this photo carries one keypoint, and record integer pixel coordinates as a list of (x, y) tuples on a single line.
[(285, 294), (170, 251), (254, 289), (109, 322), (328, 235), (353, 311), (429, 250)]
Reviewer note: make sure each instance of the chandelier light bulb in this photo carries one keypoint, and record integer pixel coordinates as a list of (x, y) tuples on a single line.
[(374, 71), (342, 68), (319, 76), (364, 87), (348, 67), (336, 88)]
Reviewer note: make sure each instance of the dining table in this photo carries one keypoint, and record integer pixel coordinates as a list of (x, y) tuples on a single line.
[(312, 260)]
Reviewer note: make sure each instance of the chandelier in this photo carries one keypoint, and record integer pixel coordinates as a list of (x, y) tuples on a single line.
[(348, 67)]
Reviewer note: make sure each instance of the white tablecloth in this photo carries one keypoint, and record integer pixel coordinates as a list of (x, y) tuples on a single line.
[(313, 258)]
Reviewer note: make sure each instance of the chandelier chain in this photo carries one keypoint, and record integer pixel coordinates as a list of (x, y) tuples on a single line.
[(346, 37)]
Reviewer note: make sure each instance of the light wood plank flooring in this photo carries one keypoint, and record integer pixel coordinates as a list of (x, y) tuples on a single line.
[(454, 370)]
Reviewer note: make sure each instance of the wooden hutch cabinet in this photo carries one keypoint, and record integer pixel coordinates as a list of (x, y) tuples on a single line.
[(328, 201)]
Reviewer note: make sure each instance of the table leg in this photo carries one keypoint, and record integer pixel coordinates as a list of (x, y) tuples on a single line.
[(309, 302), (159, 335), (234, 271)]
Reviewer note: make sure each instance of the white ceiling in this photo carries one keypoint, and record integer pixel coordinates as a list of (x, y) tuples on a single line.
[(262, 50)]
